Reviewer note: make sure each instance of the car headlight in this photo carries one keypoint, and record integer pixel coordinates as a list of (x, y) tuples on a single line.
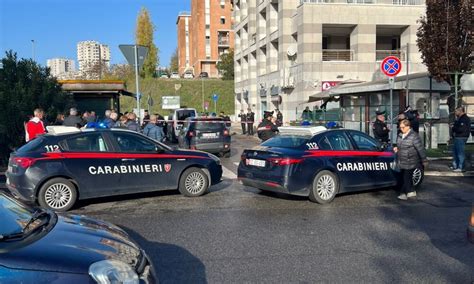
[(113, 271)]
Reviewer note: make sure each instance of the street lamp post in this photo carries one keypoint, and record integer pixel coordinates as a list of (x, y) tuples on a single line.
[(33, 49)]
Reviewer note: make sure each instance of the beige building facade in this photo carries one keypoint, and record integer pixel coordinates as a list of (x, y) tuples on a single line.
[(286, 51), (204, 35)]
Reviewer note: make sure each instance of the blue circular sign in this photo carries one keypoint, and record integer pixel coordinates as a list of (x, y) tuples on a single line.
[(391, 66)]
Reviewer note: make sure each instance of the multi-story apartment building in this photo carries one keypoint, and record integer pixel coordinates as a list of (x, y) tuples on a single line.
[(287, 50), (204, 35), (92, 55), (60, 67)]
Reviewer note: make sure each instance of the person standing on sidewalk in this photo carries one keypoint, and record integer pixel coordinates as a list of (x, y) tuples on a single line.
[(380, 128), (243, 121), (461, 131), (35, 126), (410, 155), (250, 120)]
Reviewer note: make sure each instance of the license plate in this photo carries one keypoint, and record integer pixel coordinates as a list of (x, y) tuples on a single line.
[(256, 163), (210, 135)]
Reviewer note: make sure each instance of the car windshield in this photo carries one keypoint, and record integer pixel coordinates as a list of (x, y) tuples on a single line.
[(13, 216), (31, 146), (183, 114), (287, 141), (209, 125)]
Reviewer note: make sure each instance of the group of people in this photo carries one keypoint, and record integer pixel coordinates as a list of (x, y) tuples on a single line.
[(152, 126), (266, 129), (410, 151)]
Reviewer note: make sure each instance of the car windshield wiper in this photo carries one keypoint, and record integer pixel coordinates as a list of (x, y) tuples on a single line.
[(36, 215)]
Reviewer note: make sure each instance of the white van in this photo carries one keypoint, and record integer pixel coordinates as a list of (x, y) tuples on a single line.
[(176, 121)]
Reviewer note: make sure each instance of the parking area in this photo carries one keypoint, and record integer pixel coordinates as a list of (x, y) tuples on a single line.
[(240, 234)]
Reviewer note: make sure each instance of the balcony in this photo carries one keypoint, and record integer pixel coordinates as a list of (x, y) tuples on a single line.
[(338, 55), (379, 2), (381, 54), (223, 41)]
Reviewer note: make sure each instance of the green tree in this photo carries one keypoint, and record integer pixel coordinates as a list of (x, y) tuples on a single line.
[(174, 63), (24, 86), (445, 37), (226, 65), (144, 36)]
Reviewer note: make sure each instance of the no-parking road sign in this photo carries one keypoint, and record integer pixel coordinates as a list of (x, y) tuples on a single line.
[(391, 66)]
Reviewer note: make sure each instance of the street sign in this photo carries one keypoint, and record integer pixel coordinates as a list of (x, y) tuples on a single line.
[(150, 101), (170, 102), (215, 97), (128, 51), (391, 66)]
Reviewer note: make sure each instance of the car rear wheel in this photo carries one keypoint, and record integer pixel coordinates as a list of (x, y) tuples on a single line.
[(58, 194), (417, 177), (193, 182), (325, 187)]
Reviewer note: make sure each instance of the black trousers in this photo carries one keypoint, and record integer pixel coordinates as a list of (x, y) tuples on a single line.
[(243, 127), (250, 128), (407, 180)]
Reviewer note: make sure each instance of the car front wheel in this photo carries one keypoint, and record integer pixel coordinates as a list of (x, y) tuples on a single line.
[(193, 182), (325, 187), (58, 194)]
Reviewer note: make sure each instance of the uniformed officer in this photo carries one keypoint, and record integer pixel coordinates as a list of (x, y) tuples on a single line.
[(243, 121), (250, 120), (266, 129), (380, 128)]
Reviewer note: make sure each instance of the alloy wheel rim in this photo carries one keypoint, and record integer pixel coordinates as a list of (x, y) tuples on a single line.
[(416, 176), (194, 182), (58, 195), (325, 187)]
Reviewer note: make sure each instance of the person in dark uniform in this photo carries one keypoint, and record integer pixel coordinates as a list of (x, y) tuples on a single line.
[(267, 129), (250, 120), (279, 117), (380, 128), (243, 121)]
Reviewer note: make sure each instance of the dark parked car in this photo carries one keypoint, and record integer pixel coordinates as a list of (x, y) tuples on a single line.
[(206, 134), (40, 246), (320, 163), (204, 75), (56, 170)]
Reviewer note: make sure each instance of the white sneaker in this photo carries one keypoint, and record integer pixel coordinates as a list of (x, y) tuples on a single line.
[(457, 170), (403, 196), (411, 194)]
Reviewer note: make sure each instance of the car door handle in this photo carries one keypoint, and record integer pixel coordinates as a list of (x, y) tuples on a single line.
[(127, 160)]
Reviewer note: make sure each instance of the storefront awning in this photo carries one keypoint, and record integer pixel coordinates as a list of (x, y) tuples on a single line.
[(418, 82)]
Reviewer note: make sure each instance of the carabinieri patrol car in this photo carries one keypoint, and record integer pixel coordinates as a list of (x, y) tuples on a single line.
[(320, 163), (57, 169)]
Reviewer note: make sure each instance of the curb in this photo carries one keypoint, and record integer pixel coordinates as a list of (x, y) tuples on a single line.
[(449, 174)]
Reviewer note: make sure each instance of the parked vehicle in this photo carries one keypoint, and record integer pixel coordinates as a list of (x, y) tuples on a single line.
[(188, 75), (174, 75), (176, 121), (40, 246), (204, 75), (206, 134)]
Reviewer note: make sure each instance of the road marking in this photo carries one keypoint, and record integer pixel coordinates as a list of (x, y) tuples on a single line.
[(228, 174)]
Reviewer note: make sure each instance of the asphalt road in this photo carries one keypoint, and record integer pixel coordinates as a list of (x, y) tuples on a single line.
[(239, 234)]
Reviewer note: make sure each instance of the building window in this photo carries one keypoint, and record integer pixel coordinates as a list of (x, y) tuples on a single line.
[(222, 20)]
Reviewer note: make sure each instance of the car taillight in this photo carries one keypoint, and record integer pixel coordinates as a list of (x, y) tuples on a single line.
[(243, 157), (226, 132), (24, 162), (284, 161)]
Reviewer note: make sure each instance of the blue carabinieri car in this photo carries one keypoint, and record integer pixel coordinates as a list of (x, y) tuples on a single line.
[(320, 163)]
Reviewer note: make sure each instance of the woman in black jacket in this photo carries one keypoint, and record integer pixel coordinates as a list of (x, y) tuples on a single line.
[(410, 155)]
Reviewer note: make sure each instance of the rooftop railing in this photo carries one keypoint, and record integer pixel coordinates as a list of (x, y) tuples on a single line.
[(338, 55), (380, 2)]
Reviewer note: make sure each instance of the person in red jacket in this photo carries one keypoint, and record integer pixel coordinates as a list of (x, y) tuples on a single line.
[(35, 126)]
